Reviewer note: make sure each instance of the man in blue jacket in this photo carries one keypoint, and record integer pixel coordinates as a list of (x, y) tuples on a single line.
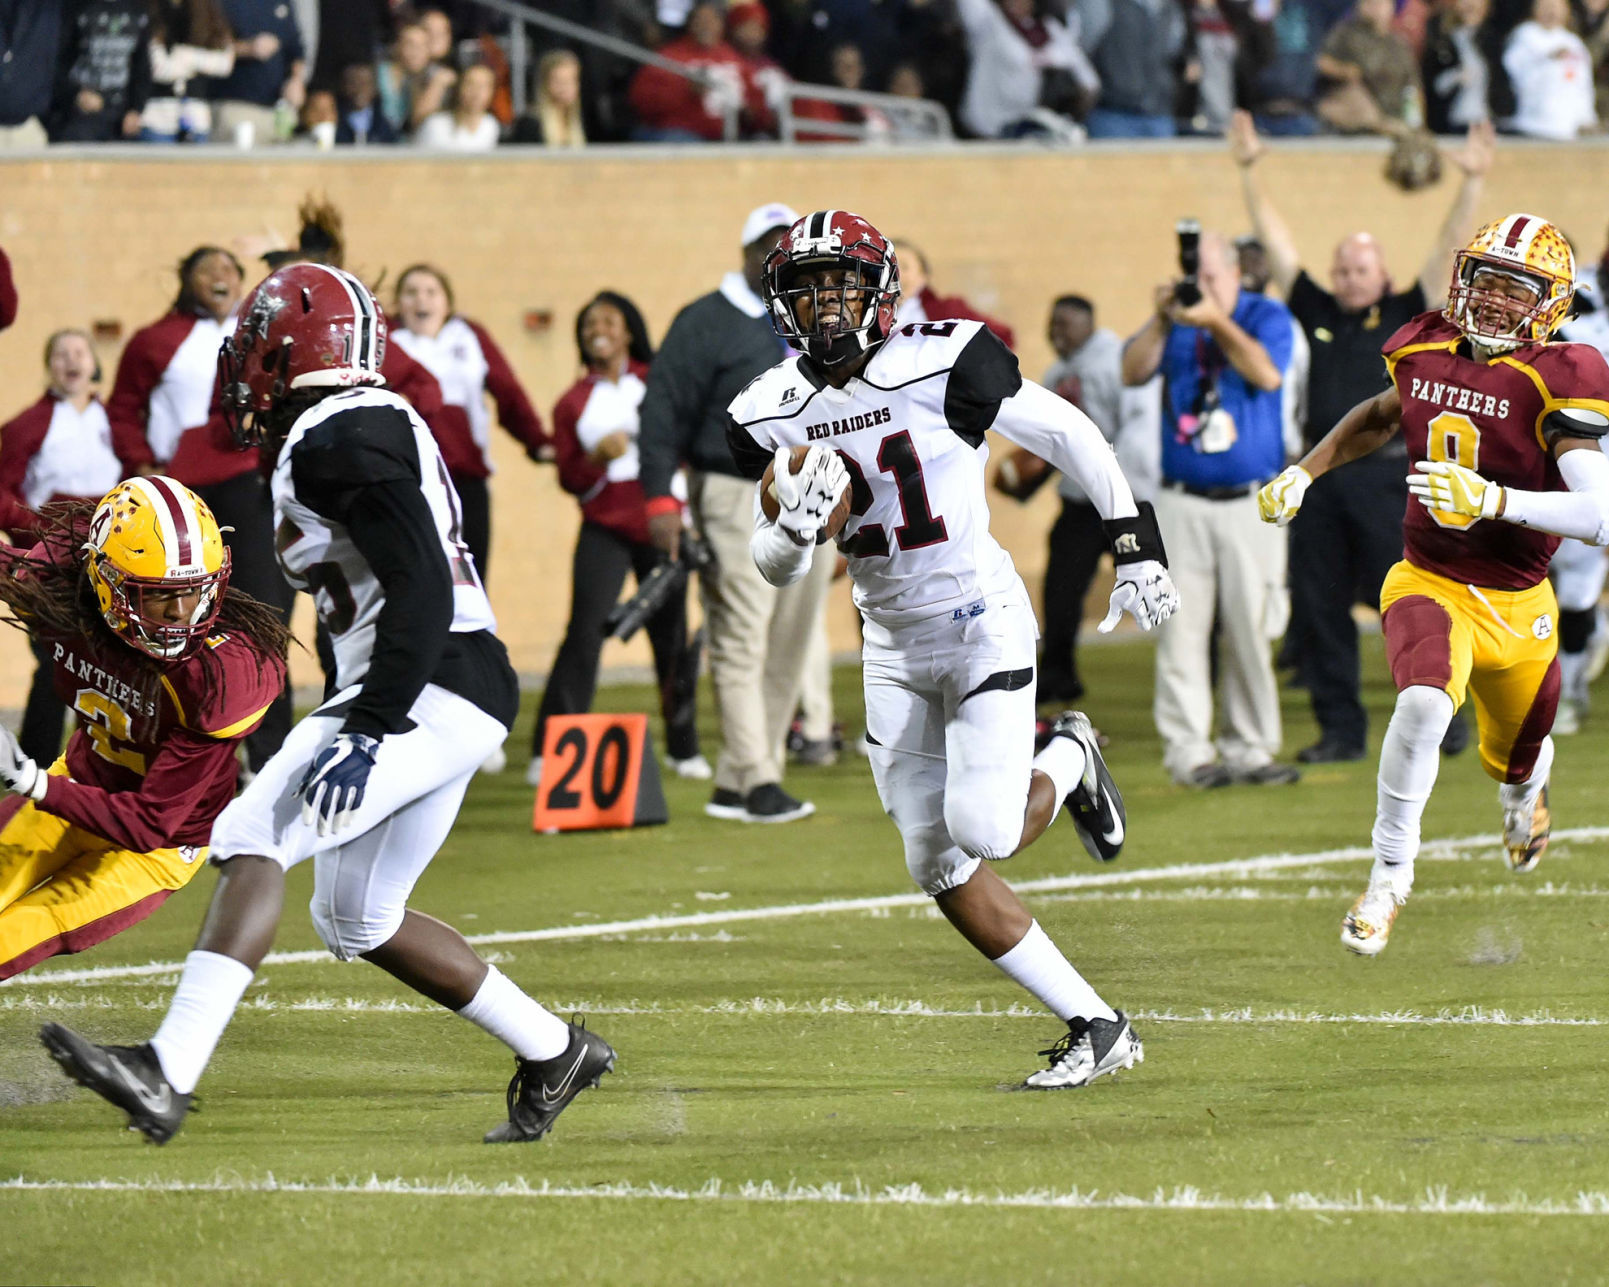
[(1222, 352)]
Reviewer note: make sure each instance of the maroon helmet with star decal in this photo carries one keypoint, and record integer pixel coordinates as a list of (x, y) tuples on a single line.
[(822, 242), (307, 326)]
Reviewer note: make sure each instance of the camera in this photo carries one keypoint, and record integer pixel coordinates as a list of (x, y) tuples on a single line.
[(656, 589), (1187, 291)]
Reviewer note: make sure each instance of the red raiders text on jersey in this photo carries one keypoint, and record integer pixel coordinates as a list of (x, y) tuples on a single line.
[(1489, 416)]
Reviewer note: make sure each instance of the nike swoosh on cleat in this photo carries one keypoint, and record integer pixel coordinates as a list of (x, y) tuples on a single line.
[(549, 1098), (1113, 833), (152, 1103)]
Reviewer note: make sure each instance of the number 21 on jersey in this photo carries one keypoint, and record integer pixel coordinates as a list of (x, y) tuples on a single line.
[(920, 527)]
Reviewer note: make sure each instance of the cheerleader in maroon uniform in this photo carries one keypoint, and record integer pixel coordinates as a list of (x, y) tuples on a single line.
[(468, 365), (59, 449), (595, 442)]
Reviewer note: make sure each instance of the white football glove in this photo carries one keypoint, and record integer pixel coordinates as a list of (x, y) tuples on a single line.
[(1280, 501), (1448, 488), (1145, 591), (18, 772), (805, 499)]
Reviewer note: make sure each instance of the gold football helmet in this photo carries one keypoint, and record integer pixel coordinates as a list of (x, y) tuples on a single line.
[(1523, 247), (158, 565)]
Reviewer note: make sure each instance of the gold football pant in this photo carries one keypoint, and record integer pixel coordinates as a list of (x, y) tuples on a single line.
[(1500, 645), (63, 889)]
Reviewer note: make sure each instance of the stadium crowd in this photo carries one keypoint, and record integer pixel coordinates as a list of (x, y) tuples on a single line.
[(381, 72)]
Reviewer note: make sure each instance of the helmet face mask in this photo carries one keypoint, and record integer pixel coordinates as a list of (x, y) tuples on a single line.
[(835, 258), (158, 565), (1517, 256)]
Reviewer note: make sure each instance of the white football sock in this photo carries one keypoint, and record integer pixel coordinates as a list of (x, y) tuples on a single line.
[(209, 990), (515, 1019), (1038, 965), (1062, 761), (1409, 762), (1522, 795)]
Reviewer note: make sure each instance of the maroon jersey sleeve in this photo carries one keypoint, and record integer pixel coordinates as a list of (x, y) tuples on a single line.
[(185, 787), (225, 688), (514, 410), (1574, 377), (1427, 328)]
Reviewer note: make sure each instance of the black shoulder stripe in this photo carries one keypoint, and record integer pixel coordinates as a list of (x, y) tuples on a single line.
[(984, 376)]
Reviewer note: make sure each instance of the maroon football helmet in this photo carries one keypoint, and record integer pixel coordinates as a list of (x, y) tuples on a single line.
[(833, 239), (306, 326)]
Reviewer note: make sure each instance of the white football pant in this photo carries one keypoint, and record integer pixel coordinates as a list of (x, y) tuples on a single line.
[(951, 740), (365, 872)]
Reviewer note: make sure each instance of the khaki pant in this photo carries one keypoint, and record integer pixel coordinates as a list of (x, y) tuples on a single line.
[(758, 636), (1227, 566), (29, 134)]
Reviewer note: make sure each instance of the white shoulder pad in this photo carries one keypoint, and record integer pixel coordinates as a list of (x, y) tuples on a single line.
[(919, 349), (778, 392)]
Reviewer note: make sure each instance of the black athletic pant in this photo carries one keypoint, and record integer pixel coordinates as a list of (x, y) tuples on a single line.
[(1077, 541), (602, 558), (43, 717), (1346, 538), (244, 504), (476, 531)]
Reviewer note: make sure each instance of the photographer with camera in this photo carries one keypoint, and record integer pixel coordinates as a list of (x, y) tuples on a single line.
[(1222, 352), (595, 444)]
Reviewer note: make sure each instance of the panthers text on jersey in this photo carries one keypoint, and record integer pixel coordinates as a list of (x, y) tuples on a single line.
[(1491, 416), (910, 427), (152, 759), (362, 501)]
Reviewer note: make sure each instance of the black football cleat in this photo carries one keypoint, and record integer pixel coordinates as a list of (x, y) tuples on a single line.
[(541, 1088), (129, 1077), (1096, 805)]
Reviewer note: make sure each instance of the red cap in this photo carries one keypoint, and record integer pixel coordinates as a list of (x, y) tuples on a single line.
[(749, 11)]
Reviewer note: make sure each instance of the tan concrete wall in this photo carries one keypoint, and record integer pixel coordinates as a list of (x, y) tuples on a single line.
[(95, 238)]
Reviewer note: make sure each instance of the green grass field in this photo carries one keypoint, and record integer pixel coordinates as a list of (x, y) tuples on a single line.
[(825, 1094)]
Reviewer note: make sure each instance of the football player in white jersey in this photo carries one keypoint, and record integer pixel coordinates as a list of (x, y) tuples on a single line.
[(369, 784), (898, 416)]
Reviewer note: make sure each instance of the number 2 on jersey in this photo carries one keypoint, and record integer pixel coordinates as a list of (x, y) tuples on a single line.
[(1456, 438), (921, 527)]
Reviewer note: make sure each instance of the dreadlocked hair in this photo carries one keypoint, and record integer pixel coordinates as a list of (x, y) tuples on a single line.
[(48, 594)]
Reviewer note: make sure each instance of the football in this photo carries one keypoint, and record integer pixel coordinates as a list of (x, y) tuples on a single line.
[(768, 497)]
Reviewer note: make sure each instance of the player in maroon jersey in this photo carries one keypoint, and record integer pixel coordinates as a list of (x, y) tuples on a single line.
[(165, 669), (1506, 430)]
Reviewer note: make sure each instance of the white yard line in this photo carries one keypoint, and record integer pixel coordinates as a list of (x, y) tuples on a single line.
[(1436, 1201), (764, 1007), (1433, 851)]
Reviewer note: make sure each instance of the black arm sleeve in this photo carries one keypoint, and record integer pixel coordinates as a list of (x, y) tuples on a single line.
[(393, 529), (750, 458), (983, 377), (361, 468)]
